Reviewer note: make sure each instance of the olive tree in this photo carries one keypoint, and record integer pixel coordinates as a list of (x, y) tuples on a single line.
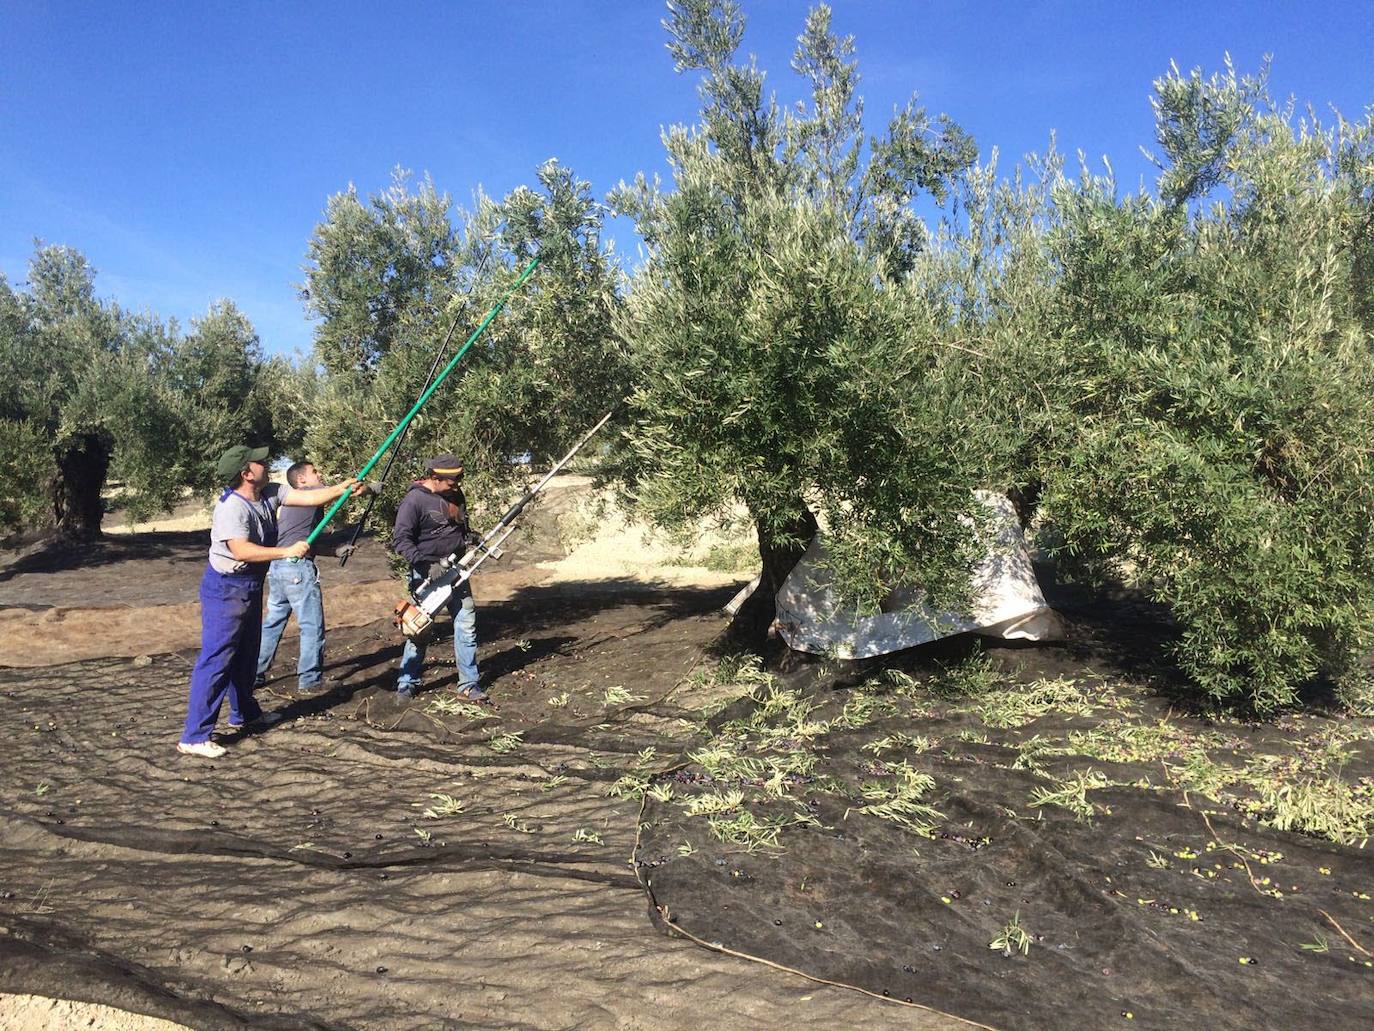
[(1216, 387), (107, 394), (782, 361), (395, 277)]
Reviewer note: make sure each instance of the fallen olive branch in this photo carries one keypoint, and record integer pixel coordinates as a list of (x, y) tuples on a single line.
[(1344, 935)]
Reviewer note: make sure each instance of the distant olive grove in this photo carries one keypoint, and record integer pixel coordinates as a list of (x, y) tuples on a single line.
[(1175, 386), (93, 394)]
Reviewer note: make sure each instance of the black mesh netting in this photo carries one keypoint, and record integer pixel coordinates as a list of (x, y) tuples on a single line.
[(368, 863), (886, 834), (373, 864)]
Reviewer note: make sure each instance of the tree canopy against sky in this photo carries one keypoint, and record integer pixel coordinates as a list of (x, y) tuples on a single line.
[(1212, 373), (768, 326), (94, 392), (97, 96), (390, 277)]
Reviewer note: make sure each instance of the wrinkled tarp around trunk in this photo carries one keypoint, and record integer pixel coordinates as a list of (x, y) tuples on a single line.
[(1007, 601)]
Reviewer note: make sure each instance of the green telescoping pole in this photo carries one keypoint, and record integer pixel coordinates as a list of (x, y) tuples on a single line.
[(400, 426)]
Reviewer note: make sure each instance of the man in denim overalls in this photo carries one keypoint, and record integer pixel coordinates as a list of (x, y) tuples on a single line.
[(243, 540)]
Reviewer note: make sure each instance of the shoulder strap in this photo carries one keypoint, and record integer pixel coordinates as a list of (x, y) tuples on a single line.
[(252, 506)]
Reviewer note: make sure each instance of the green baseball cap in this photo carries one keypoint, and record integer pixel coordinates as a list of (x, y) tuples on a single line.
[(231, 463)]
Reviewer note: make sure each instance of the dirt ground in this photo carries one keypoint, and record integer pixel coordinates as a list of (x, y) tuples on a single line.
[(366, 863), (39, 1013), (132, 595), (635, 832)]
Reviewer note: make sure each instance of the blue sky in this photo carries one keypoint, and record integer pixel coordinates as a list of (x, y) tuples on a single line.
[(188, 149)]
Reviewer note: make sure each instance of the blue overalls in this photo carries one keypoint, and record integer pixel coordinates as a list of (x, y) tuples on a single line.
[(230, 634)]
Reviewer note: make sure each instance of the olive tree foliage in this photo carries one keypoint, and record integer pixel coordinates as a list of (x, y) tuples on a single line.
[(403, 277), (375, 267), (987, 290), (1178, 382), (379, 273), (26, 462), (781, 359), (1212, 388), (97, 393)]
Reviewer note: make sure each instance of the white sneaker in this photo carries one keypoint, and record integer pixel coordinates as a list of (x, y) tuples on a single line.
[(204, 749)]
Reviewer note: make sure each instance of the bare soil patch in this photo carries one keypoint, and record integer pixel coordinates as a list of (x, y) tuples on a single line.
[(135, 594), (39, 1013)]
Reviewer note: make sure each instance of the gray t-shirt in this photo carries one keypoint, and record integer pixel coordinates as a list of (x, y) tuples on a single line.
[(294, 523), (237, 518)]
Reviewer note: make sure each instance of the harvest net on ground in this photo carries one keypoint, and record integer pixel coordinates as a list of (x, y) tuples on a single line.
[(365, 861), (1023, 843), (1004, 837)]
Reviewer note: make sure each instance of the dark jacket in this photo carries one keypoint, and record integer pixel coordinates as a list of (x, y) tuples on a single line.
[(430, 526)]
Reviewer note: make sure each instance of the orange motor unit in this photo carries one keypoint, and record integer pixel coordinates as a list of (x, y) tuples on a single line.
[(412, 620)]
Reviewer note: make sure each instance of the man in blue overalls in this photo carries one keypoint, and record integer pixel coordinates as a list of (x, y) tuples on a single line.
[(243, 540)]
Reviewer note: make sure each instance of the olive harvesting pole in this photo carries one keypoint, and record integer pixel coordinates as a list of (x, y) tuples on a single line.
[(428, 393), (439, 352), (415, 615)]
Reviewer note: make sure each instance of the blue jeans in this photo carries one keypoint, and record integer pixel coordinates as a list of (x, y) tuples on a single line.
[(230, 625), (464, 612), (295, 587)]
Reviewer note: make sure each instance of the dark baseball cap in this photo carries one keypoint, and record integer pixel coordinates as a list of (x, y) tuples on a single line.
[(232, 461), (445, 465)]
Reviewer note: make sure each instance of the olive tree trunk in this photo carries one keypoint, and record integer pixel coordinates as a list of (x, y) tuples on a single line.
[(780, 553), (77, 505)]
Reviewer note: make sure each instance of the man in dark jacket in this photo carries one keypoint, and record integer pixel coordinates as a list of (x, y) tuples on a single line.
[(432, 523)]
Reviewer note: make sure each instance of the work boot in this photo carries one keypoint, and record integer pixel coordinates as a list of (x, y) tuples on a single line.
[(474, 693), (267, 719)]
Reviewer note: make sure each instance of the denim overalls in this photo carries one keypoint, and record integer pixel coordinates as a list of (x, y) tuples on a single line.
[(230, 633)]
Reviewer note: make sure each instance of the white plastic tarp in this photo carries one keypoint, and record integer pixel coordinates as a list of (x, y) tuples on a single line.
[(1008, 603)]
